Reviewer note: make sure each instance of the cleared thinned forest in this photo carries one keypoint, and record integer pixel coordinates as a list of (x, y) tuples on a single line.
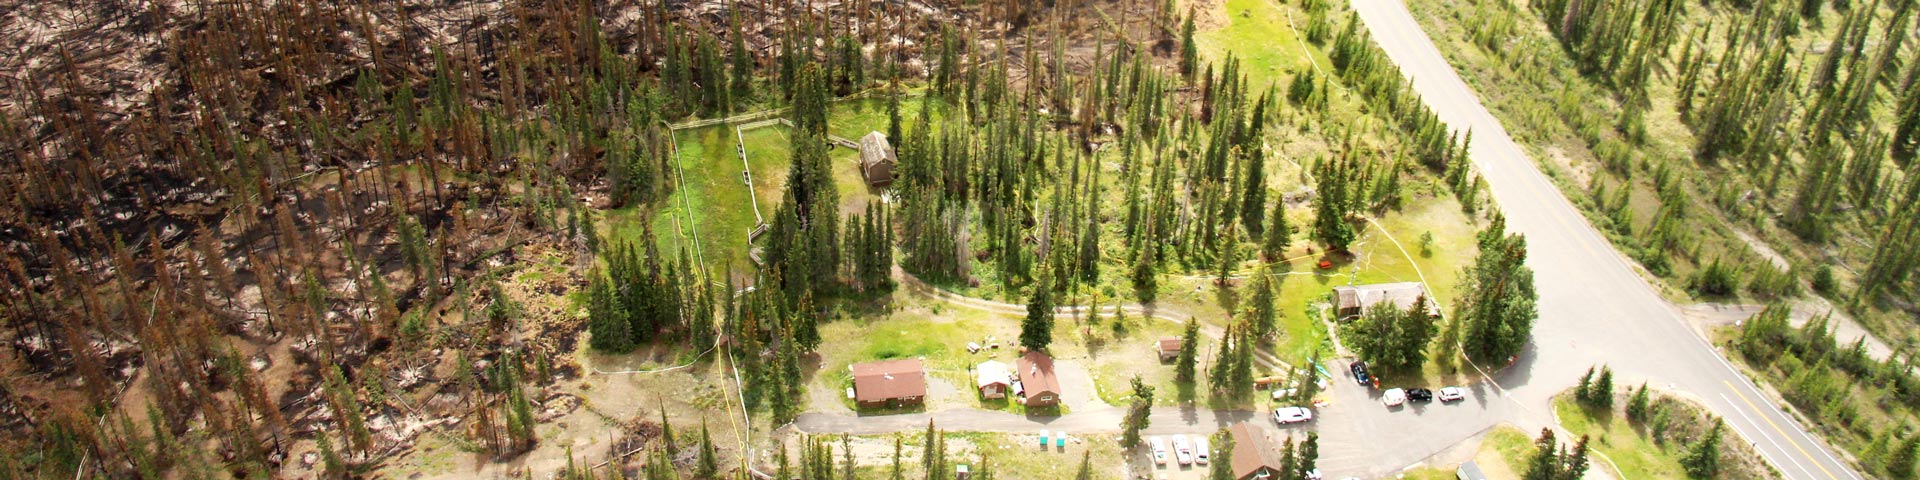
[(282, 239), (234, 228)]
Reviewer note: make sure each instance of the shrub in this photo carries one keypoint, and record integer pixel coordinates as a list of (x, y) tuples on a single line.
[(1654, 259), (1637, 407), (1717, 280), (1770, 282), (1823, 280)]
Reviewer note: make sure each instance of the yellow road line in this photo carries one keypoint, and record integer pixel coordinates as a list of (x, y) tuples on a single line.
[(1783, 432)]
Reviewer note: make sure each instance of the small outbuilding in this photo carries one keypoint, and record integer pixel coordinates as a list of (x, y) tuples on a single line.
[(1355, 300), (1038, 381), (877, 160), (993, 379), (889, 383), (1169, 348)]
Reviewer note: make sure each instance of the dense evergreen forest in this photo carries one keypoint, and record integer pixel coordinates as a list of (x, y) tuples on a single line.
[(1791, 117), (1750, 152), (242, 235)]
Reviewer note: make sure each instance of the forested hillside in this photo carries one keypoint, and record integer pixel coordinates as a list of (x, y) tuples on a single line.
[(1691, 130), (1747, 152)]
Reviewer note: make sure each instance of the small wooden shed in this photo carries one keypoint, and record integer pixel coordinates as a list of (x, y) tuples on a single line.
[(877, 159)]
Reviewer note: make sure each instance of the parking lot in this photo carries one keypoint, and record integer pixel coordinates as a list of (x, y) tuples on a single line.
[(1143, 465), (1360, 436)]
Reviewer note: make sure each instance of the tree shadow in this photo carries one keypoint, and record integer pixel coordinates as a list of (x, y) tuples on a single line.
[(1225, 294)]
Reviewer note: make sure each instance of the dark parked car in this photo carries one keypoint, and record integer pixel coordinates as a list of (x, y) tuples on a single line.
[(1420, 395), (1359, 369)]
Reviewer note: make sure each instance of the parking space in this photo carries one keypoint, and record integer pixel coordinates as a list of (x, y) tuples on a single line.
[(1144, 465)]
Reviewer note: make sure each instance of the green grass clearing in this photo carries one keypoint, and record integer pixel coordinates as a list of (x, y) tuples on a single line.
[(1121, 357), (937, 334), (1635, 455), (716, 204), (1507, 445), (1257, 33)]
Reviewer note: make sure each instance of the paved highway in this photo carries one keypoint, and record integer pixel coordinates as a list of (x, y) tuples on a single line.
[(1594, 307)]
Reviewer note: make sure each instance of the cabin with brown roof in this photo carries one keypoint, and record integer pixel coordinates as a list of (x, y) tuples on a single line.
[(889, 383), (1355, 300), (1169, 349), (1254, 456), (1038, 382), (877, 159)]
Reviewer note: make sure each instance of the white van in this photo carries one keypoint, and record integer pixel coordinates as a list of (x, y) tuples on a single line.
[(1159, 450)]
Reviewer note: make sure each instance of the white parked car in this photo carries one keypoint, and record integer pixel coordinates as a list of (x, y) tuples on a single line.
[(1450, 394), (1394, 397), (1159, 450), (1200, 453), (1286, 415), (1182, 450)]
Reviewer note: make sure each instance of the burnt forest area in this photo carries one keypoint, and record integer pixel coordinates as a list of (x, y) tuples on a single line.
[(229, 223)]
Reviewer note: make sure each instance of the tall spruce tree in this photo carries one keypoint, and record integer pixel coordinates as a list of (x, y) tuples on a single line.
[(1183, 364), (1498, 307), (709, 462), (1189, 51), (1263, 309), (1333, 199), (1702, 459), (1036, 332), (1392, 339), (1138, 412), (1308, 455), (1544, 463), (1220, 466), (1146, 284), (1278, 235)]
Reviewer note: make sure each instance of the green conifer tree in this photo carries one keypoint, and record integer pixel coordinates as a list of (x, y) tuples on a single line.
[(898, 473), (1900, 461), (1278, 235), (334, 466), (1637, 407), (1145, 281), (1183, 365), (1138, 412), (1189, 51), (1544, 463), (1220, 467), (1332, 201), (1036, 332), (1702, 459), (709, 465), (1263, 308)]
